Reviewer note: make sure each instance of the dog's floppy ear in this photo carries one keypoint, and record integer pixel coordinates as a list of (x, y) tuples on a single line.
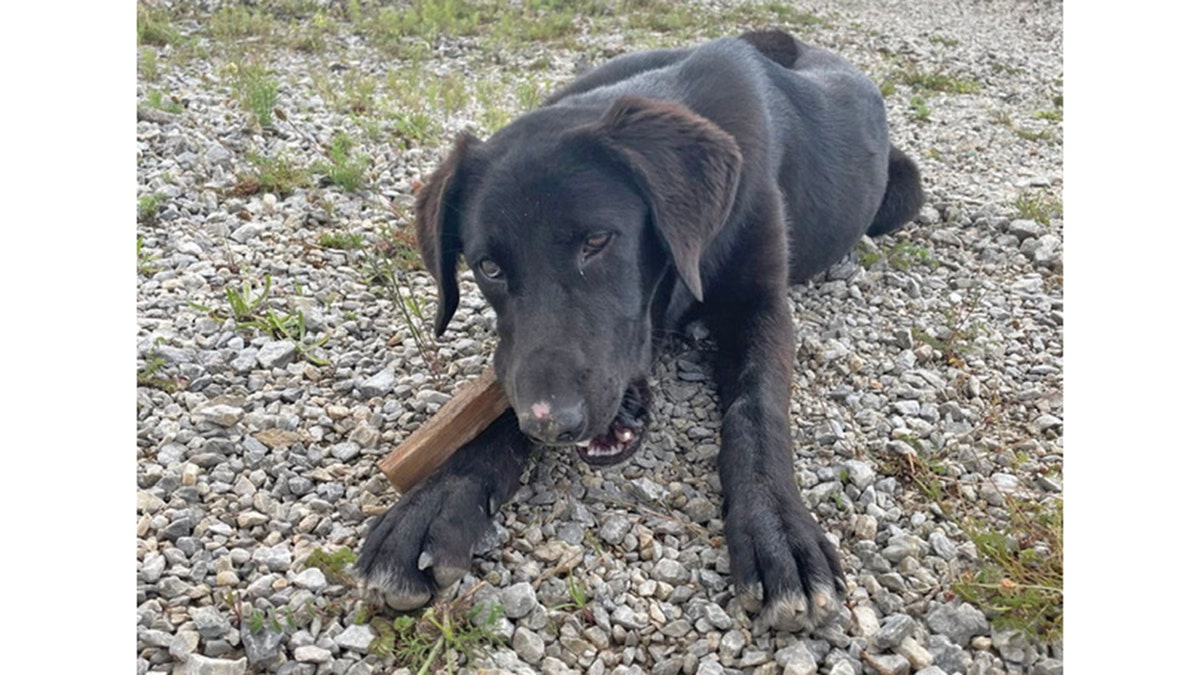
[(438, 227), (687, 167)]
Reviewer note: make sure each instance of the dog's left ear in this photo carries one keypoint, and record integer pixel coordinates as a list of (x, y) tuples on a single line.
[(438, 228), (687, 167)]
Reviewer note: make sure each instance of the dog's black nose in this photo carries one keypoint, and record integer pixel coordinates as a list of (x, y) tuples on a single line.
[(553, 424)]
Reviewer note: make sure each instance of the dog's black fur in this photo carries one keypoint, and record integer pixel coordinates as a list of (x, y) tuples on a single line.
[(661, 188)]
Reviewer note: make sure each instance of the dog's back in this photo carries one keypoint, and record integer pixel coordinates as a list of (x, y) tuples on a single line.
[(800, 113)]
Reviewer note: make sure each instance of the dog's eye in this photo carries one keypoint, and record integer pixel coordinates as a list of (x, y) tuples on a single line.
[(595, 243), (490, 269)]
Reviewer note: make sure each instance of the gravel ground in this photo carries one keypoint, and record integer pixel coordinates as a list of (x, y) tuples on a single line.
[(940, 347)]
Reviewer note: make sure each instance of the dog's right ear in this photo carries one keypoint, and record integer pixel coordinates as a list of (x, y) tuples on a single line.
[(438, 228)]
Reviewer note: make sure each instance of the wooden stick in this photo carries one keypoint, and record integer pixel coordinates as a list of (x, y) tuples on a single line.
[(460, 420)]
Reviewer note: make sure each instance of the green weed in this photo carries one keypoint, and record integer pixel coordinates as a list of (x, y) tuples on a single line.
[(154, 27), (415, 128), (345, 169), (1038, 206), (278, 174), (156, 100), (243, 304), (335, 566), (421, 643), (145, 260), (943, 40), (342, 241), (238, 23), (256, 89), (918, 109), (936, 82), (1051, 115), (1019, 582), (148, 64), (149, 375), (388, 267), (147, 210)]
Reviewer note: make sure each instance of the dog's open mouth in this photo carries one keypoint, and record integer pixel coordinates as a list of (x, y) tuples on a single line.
[(625, 433)]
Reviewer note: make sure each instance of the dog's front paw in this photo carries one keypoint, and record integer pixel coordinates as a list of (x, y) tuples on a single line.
[(423, 543), (782, 565)]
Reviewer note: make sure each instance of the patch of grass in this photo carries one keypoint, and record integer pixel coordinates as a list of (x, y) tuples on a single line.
[(959, 337), (335, 566), (238, 23), (249, 311), (530, 93), (145, 260), (150, 375), (1032, 205), (255, 87), (415, 127), (342, 241), (243, 304), (943, 40), (1051, 115), (771, 14), (936, 82), (278, 174), (1033, 134), (925, 473), (866, 257), (918, 109), (154, 27), (345, 168), (147, 209), (1019, 581), (156, 100), (310, 36), (148, 64), (422, 643), (388, 267), (887, 87), (903, 255)]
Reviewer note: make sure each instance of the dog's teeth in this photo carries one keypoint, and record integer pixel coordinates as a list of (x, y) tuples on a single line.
[(584, 444), (625, 435)]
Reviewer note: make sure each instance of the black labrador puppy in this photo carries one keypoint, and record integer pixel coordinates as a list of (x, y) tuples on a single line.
[(661, 188)]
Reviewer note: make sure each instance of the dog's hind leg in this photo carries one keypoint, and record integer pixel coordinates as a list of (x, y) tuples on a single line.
[(903, 197)]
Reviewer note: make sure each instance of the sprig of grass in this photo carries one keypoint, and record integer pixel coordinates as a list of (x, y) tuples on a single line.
[(256, 89), (1032, 205), (1019, 583), (277, 174), (154, 27), (345, 168), (423, 642), (145, 260), (149, 375), (156, 100), (334, 565), (936, 81), (388, 266), (147, 209), (342, 241)]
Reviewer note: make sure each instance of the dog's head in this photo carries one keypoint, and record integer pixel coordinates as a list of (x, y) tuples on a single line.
[(570, 225)]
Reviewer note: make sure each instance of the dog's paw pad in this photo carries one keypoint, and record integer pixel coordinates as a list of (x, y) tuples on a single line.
[(384, 588), (788, 613), (446, 575), (403, 601), (797, 612)]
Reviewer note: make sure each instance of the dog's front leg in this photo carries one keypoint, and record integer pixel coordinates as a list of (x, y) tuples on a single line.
[(425, 540), (773, 540)]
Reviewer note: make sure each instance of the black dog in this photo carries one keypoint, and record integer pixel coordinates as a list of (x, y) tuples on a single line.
[(661, 188)]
